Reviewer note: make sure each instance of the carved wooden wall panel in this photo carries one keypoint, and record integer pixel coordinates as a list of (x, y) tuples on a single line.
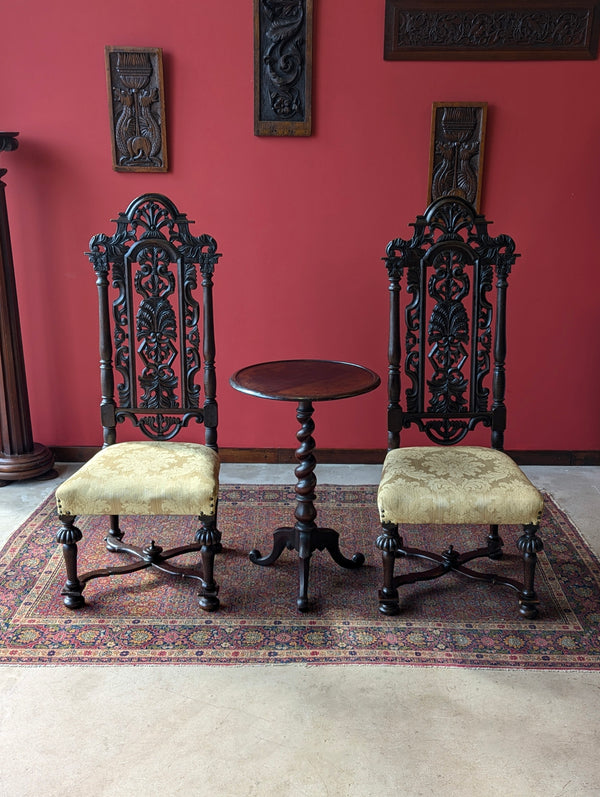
[(457, 144), (137, 109), (283, 67), (491, 29)]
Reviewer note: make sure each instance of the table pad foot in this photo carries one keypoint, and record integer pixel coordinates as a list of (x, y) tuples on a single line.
[(280, 543)]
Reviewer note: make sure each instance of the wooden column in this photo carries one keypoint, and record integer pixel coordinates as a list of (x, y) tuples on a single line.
[(20, 457)]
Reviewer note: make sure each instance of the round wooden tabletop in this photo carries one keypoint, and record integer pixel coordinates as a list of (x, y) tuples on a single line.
[(305, 380)]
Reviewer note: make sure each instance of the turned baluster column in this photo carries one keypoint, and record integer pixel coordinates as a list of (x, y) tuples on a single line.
[(20, 457)]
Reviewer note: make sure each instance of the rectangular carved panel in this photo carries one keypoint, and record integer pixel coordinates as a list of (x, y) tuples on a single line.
[(491, 29), (137, 109), (456, 157), (283, 67)]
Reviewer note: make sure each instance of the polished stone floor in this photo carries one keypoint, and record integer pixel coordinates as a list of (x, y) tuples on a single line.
[(301, 731)]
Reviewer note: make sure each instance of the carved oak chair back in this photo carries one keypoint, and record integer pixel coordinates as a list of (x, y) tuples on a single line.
[(157, 367), (151, 332), (446, 377), (453, 305)]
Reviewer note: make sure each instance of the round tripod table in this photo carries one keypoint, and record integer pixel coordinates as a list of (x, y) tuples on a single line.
[(305, 381)]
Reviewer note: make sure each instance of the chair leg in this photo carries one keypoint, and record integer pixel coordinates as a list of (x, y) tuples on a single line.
[(115, 532), (529, 544), (388, 543), (210, 537), (68, 536), (494, 543)]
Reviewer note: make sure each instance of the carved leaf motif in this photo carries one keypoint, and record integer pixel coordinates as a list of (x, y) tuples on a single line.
[(156, 328), (448, 331), (449, 322)]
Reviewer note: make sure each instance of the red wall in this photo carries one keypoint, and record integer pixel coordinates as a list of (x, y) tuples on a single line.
[(302, 223)]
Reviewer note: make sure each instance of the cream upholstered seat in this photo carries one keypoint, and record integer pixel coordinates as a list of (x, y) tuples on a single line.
[(451, 317), (459, 485), (157, 348), (144, 478)]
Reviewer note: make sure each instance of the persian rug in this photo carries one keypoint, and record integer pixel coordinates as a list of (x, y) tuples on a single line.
[(147, 618)]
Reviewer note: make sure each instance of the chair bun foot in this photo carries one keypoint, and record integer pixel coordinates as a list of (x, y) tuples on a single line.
[(74, 601), (528, 611), (210, 603), (302, 604), (389, 604)]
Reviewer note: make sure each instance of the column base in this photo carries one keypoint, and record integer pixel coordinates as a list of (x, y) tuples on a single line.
[(14, 467)]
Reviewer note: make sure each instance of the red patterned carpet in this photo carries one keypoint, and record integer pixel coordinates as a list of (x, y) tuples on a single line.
[(147, 618)]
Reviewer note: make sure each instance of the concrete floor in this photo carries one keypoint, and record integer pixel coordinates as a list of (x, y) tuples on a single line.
[(346, 731)]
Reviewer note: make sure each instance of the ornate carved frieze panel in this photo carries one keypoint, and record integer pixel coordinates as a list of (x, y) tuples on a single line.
[(283, 67), (136, 106), (491, 29), (457, 143)]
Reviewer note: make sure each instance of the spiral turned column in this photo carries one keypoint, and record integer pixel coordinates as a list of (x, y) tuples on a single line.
[(20, 457), (305, 513)]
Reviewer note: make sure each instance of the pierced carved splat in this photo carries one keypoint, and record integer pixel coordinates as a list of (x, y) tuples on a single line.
[(152, 328), (156, 330), (449, 281)]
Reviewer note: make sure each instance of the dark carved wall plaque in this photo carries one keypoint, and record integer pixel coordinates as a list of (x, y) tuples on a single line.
[(283, 67), (491, 29), (136, 105), (456, 159)]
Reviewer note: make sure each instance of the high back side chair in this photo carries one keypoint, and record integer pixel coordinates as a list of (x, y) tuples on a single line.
[(157, 346), (448, 289)]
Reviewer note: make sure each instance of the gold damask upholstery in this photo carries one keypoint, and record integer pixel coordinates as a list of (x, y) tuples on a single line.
[(462, 484), (144, 478)]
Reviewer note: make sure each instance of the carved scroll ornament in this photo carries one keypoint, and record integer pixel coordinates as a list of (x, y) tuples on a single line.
[(136, 105), (283, 67), (491, 29)]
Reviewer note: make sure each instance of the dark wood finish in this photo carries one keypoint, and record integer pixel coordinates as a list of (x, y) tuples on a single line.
[(136, 102), (157, 352), (449, 266), (490, 29), (457, 148), (283, 67), (155, 262), (450, 377), (20, 457), (305, 381)]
